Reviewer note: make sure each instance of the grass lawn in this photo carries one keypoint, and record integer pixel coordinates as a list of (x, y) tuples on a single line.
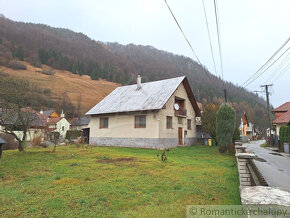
[(114, 182)]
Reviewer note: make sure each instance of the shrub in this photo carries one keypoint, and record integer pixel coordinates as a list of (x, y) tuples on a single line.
[(36, 140), (16, 65), (11, 142), (48, 72), (225, 127), (284, 134), (72, 134)]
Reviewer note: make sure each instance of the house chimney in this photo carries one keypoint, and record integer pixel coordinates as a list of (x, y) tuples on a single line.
[(62, 114), (139, 82), (41, 111)]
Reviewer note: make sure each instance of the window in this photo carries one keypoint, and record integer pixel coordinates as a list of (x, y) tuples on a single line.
[(188, 124), (169, 122), (179, 120), (140, 121), (104, 122)]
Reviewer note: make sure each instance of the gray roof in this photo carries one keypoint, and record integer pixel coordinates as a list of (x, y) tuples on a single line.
[(152, 96), (2, 141), (48, 112), (81, 121)]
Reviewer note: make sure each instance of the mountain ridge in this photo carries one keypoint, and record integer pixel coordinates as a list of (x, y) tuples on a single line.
[(64, 49)]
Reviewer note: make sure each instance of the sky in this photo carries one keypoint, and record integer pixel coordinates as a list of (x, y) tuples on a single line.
[(250, 31)]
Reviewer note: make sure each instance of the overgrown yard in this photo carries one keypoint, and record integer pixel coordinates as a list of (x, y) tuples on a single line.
[(114, 182)]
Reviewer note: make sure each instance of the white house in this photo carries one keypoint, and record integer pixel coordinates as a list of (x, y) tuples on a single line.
[(158, 114)]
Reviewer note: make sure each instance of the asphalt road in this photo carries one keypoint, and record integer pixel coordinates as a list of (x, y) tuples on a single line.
[(274, 168)]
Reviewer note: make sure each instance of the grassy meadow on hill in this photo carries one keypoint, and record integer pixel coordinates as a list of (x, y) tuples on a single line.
[(114, 182), (64, 83)]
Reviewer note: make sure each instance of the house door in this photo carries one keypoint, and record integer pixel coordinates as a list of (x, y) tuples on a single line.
[(180, 139)]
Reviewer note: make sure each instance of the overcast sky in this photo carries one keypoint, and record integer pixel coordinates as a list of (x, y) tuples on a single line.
[(251, 30)]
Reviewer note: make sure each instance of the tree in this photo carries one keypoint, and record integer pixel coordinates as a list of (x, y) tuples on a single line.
[(208, 119), (225, 127), (15, 117)]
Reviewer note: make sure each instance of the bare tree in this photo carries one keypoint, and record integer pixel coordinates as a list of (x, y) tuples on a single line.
[(15, 117)]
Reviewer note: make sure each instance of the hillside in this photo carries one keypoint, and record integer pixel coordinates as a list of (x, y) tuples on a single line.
[(79, 90), (66, 50)]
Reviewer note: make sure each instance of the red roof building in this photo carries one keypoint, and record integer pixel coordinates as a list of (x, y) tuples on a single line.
[(282, 116)]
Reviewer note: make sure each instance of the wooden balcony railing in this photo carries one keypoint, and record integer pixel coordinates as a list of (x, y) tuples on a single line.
[(180, 112)]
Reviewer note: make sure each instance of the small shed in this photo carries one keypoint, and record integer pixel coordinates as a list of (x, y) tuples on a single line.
[(2, 141)]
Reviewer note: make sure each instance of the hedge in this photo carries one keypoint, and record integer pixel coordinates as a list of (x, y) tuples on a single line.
[(284, 134)]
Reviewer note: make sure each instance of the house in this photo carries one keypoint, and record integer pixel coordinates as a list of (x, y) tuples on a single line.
[(40, 125), (282, 116), (58, 125), (247, 129), (158, 114), (51, 113), (82, 124)]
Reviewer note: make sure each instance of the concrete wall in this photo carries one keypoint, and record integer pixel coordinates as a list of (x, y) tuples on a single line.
[(121, 130)]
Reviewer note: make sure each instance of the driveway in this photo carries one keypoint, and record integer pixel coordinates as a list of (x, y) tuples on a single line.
[(274, 167)]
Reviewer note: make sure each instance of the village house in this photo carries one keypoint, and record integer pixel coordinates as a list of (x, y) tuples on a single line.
[(158, 114), (282, 116), (247, 129), (42, 124)]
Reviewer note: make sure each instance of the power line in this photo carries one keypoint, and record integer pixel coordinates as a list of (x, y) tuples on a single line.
[(209, 37), (278, 76), (183, 33), (218, 35), (264, 65), (280, 69), (261, 73)]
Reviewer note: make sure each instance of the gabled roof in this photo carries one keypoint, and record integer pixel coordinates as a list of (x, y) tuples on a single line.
[(283, 119), (284, 107), (245, 119), (53, 120), (152, 96), (2, 141), (81, 121)]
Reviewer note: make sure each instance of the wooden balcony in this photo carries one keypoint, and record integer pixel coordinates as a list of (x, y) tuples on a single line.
[(180, 113)]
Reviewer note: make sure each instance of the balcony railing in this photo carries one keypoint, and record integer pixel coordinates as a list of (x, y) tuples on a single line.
[(180, 112)]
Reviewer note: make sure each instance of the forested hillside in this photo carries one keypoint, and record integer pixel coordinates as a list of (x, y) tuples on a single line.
[(67, 50)]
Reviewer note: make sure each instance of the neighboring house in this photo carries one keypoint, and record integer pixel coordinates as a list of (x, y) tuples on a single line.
[(158, 114), (282, 116), (57, 124), (41, 125), (51, 113), (80, 123), (247, 128)]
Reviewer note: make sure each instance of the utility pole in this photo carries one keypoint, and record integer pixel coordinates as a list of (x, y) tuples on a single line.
[(226, 97), (268, 110)]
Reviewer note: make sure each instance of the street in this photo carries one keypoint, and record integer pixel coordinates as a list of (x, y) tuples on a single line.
[(274, 167)]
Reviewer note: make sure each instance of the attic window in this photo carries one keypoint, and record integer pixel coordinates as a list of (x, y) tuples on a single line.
[(140, 121)]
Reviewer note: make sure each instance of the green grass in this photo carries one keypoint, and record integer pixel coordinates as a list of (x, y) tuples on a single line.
[(114, 182), (264, 145)]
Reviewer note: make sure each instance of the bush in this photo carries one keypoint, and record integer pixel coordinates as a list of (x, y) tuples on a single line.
[(237, 134), (48, 72), (284, 134), (16, 65), (11, 142), (225, 127), (72, 134), (36, 140)]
